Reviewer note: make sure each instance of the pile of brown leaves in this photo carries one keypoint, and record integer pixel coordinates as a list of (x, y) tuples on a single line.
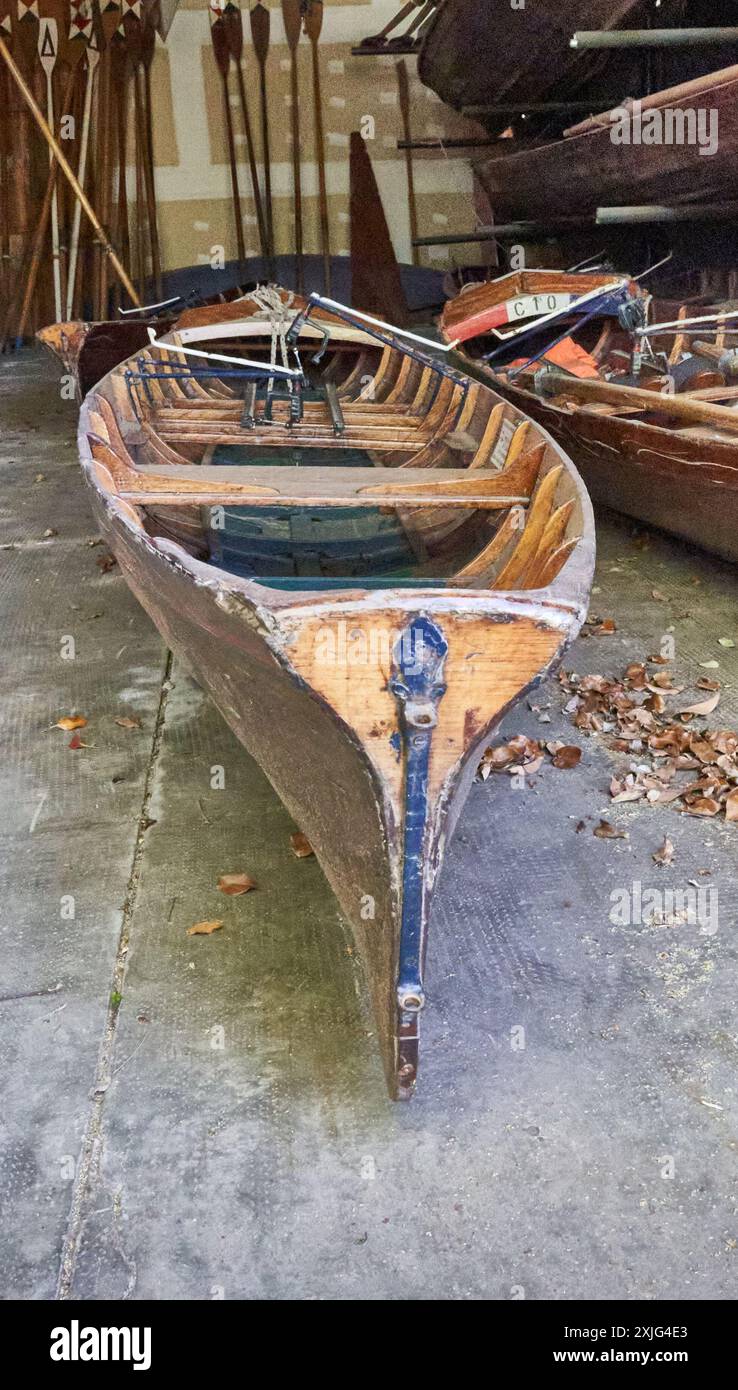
[(673, 757)]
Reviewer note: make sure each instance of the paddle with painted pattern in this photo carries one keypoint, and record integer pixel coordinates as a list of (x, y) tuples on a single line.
[(48, 52), (66, 167), (234, 30), (313, 26), (260, 27), (222, 51), (292, 16), (81, 29)]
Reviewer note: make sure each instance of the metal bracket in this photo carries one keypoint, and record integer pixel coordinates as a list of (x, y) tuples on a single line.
[(418, 686)]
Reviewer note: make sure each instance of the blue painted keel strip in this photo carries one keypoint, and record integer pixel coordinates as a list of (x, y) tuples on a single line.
[(417, 684)]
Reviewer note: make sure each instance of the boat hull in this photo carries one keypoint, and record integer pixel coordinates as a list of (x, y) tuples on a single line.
[(340, 778), (682, 484)]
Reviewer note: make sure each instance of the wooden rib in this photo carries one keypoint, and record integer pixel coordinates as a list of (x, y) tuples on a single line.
[(554, 564), (538, 516), (479, 567), (489, 438), (517, 442), (553, 535)]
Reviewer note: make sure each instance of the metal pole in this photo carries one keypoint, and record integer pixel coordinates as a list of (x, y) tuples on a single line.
[(697, 212), (651, 38), (521, 229)]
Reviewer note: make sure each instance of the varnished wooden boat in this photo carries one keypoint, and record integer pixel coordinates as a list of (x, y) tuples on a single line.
[(89, 350), (481, 53), (363, 619), (659, 447), (667, 159)]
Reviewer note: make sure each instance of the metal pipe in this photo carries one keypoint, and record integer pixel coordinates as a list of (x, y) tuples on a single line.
[(651, 38), (535, 108), (698, 212), (440, 144), (505, 229)]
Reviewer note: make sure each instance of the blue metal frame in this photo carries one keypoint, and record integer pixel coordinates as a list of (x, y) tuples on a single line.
[(418, 686)]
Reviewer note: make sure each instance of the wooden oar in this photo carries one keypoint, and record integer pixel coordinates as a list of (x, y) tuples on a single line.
[(92, 57), (106, 147), (120, 70), (48, 50), (6, 274), (66, 167), (404, 91), (222, 51), (133, 30), (148, 49), (313, 26), (234, 31), (292, 16), (260, 26)]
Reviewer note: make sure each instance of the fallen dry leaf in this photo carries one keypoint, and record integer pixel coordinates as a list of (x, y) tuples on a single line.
[(726, 641), (127, 723), (568, 756), (660, 598), (76, 742), (106, 563), (301, 846), (605, 628), (235, 884), (69, 722), (731, 805), (702, 706), (703, 806), (664, 855), (606, 831), (204, 928), (704, 683)]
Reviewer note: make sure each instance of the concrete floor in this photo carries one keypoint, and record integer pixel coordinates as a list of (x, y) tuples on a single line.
[(205, 1117)]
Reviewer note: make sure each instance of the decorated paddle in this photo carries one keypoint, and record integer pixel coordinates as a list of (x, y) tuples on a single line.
[(292, 16), (66, 167), (48, 53), (260, 26), (313, 26), (234, 30), (222, 51), (404, 93), (82, 28)]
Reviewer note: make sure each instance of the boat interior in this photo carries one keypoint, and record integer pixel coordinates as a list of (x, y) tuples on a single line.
[(376, 467)]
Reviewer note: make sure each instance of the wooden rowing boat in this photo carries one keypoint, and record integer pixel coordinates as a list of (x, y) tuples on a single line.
[(659, 444), (363, 619), (677, 147), (89, 350), (473, 54)]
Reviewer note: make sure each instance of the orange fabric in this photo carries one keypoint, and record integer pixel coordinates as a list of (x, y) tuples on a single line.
[(570, 356)]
